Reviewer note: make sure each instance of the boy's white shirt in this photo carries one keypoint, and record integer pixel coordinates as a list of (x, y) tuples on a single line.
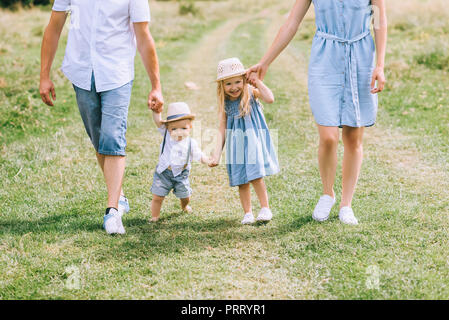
[(175, 153)]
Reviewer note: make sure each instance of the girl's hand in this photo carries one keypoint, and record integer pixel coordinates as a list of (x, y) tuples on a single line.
[(260, 69), (379, 76), (253, 79)]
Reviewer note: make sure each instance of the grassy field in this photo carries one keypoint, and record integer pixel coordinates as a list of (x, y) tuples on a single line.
[(52, 245)]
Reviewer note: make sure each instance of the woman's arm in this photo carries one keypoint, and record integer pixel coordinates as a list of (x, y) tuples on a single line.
[(380, 35), (283, 38), (220, 142)]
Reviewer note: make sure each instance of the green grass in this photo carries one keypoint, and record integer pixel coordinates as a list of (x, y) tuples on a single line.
[(53, 193)]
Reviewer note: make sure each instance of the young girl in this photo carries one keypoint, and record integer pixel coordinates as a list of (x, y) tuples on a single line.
[(250, 153)]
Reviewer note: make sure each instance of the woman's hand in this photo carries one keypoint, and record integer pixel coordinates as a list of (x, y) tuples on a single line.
[(379, 76), (260, 69)]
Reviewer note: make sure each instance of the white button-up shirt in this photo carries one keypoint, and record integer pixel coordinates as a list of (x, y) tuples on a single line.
[(175, 153), (101, 40)]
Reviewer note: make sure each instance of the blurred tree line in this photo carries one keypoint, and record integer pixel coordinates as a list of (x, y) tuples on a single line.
[(24, 3)]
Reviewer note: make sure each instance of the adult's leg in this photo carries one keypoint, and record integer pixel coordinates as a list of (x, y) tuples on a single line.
[(245, 197), (112, 142), (352, 162), (261, 192), (114, 169), (100, 158), (327, 157)]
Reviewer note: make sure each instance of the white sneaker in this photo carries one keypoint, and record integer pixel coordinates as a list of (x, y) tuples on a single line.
[(120, 227), (264, 215), (123, 205), (248, 218), (110, 221), (346, 215), (323, 208)]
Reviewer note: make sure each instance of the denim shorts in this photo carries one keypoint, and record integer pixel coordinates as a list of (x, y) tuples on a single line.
[(164, 182), (105, 117)]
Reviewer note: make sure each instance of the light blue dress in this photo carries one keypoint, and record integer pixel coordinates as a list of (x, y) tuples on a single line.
[(250, 152), (341, 64)]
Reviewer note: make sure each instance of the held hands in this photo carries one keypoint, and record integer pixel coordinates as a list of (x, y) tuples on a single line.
[(379, 76), (156, 101), (253, 79), (213, 161), (260, 70), (46, 88)]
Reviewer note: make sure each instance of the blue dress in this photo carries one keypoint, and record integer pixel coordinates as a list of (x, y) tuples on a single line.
[(250, 153), (341, 64)]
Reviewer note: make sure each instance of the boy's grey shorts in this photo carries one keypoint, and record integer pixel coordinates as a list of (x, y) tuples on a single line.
[(164, 182)]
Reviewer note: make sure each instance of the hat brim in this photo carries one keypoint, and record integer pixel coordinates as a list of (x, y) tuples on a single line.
[(232, 76), (190, 116)]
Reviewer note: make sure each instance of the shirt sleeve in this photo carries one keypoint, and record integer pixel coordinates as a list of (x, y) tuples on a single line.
[(197, 154), (61, 5), (139, 11)]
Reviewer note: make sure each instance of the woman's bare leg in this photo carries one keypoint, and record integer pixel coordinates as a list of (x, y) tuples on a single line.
[(327, 157), (352, 162)]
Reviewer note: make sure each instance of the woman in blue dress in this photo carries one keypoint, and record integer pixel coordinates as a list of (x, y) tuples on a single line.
[(343, 73)]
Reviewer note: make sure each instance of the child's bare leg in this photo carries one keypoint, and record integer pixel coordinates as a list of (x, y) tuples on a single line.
[(156, 205), (261, 191), (185, 205), (245, 197)]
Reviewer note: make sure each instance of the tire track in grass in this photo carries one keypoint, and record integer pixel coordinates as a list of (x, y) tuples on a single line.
[(236, 252)]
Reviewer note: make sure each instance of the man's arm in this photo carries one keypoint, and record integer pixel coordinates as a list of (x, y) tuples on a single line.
[(48, 52), (147, 50)]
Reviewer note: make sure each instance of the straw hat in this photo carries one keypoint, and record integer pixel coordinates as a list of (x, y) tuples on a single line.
[(178, 111), (229, 68)]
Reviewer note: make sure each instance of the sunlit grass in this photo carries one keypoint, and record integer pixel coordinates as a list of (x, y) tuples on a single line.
[(53, 193)]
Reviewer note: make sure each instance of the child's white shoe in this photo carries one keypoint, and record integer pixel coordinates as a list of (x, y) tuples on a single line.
[(264, 214), (187, 209), (346, 215), (323, 208), (248, 218)]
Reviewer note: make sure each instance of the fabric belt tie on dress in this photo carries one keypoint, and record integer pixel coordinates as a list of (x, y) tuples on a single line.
[(350, 56)]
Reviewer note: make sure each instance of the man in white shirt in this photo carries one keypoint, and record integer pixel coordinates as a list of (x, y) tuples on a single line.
[(99, 61)]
